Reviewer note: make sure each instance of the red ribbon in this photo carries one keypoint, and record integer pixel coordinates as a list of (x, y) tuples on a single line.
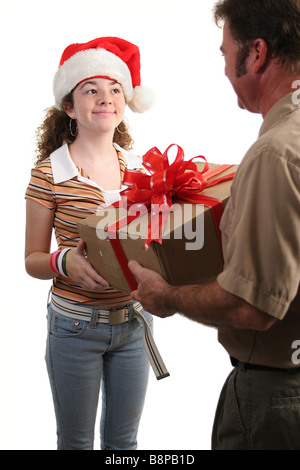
[(156, 190)]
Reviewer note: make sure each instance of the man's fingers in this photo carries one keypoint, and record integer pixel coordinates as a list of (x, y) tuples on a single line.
[(135, 268), (134, 295)]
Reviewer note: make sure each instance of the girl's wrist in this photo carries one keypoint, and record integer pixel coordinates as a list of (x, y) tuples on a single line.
[(58, 262)]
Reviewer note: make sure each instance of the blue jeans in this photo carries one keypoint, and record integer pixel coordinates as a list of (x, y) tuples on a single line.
[(80, 356)]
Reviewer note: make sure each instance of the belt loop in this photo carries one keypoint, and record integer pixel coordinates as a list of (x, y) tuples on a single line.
[(131, 312), (48, 299), (94, 318)]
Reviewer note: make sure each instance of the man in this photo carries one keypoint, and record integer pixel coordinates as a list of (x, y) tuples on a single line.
[(255, 301)]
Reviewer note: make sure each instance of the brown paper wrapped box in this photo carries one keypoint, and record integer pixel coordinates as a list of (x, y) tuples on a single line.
[(190, 252)]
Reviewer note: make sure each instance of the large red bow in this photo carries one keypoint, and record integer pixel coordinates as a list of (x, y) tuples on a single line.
[(164, 181)]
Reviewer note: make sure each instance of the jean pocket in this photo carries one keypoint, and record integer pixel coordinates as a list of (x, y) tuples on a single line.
[(137, 324), (65, 327), (148, 316)]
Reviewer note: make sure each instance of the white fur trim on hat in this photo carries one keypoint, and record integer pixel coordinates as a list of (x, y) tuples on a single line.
[(96, 63), (87, 64)]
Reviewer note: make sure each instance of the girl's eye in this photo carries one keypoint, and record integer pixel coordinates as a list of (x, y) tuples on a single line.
[(92, 91), (116, 91)]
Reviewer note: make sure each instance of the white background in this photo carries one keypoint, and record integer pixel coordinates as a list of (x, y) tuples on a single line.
[(196, 109)]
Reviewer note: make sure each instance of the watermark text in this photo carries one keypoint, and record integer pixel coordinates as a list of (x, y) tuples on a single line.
[(181, 222), (296, 94), (296, 353)]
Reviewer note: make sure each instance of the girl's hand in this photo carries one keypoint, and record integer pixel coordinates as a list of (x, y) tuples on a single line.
[(81, 271)]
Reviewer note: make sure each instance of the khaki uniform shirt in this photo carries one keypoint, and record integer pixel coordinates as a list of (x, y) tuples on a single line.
[(261, 240)]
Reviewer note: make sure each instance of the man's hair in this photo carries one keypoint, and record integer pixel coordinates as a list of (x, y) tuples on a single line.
[(275, 21)]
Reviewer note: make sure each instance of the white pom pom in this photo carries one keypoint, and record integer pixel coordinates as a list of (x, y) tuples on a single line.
[(142, 100)]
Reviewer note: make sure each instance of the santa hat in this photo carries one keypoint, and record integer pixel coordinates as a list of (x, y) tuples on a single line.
[(108, 57)]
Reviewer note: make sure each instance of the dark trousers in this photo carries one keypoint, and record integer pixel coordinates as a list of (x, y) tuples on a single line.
[(258, 410)]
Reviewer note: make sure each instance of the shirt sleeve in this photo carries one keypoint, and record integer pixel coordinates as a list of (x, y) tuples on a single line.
[(261, 235), (40, 188)]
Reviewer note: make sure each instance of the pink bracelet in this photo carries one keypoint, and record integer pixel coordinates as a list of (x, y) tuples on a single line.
[(53, 261)]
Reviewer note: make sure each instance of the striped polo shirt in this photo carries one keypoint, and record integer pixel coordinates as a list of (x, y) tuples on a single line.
[(58, 184)]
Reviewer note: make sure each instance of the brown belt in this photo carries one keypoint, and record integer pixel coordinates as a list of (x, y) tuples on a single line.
[(248, 366)]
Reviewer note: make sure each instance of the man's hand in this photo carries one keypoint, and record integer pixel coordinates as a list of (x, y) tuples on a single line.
[(208, 304), (153, 292)]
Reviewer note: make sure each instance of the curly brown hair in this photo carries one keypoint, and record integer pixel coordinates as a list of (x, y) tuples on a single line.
[(55, 130)]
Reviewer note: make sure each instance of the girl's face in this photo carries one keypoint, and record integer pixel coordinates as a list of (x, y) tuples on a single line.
[(99, 106)]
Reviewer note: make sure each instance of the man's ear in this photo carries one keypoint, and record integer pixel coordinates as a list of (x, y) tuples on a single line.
[(260, 54)]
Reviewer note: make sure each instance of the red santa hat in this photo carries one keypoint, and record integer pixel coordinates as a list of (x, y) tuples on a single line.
[(107, 57)]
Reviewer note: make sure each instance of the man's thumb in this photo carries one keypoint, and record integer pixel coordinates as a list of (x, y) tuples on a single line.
[(135, 268)]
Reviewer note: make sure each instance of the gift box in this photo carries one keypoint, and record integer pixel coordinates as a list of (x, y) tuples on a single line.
[(174, 232)]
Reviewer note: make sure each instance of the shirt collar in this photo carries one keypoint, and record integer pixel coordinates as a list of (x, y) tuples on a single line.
[(279, 111), (64, 169)]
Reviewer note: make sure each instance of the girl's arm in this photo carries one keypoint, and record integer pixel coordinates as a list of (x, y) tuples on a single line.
[(39, 224)]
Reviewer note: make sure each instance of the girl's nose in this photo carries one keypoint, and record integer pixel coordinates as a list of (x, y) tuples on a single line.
[(104, 97)]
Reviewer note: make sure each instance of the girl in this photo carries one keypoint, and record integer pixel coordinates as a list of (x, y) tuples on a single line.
[(83, 151)]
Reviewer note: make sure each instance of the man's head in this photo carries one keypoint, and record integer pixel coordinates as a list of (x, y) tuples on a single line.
[(275, 21), (261, 46)]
